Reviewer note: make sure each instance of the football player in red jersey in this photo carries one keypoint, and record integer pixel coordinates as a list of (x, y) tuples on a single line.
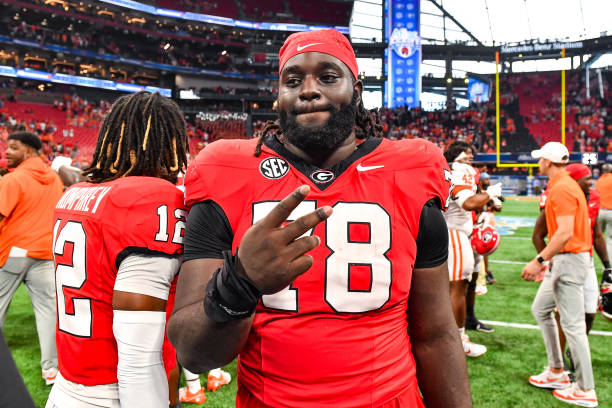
[(582, 174), (117, 243), (321, 264)]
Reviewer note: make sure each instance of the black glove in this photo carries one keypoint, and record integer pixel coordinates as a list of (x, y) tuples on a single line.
[(606, 277)]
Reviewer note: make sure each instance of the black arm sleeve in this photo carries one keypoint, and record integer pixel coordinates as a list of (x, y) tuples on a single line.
[(208, 232), (432, 240)]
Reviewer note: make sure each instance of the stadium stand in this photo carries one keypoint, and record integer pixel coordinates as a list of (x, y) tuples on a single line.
[(217, 8)]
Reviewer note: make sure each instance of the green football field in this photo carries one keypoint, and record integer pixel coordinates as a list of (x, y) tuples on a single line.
[(498, 379)]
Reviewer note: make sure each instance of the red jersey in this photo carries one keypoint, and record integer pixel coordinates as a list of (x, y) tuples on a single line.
[(96, 227), (343, 321), (594, 205)]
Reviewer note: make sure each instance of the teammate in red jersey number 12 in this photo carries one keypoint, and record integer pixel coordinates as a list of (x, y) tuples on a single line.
[(322, 263), (117, 242)]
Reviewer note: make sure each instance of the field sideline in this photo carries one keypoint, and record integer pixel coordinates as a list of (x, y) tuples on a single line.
[(498, 379)]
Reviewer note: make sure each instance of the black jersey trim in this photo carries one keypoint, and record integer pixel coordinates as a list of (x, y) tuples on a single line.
[(140, 251), (307, 169)]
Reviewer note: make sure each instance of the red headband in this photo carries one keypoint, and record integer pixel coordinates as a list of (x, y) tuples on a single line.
[(329, 41), (578, 170)]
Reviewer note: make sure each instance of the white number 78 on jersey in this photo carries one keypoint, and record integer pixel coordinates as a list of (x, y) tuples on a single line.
[(344, 254)]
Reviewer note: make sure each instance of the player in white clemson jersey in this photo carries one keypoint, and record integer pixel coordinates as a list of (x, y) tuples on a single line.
[(463, 200)]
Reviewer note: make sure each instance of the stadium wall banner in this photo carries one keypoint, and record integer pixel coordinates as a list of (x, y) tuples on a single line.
[(403, 56), (80, 81), (207, 18)]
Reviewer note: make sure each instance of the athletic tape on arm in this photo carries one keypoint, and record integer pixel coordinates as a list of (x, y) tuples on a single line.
[(140, 371)]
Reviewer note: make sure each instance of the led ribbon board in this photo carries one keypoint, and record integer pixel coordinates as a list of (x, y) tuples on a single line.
[(80, 81), (207, 18)]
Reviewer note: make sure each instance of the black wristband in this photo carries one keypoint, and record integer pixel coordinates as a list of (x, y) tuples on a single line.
[(230, 295), (606, 264)]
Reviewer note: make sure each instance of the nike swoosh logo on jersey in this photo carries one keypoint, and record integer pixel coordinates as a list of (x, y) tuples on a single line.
[(300, 48), (366, 168)]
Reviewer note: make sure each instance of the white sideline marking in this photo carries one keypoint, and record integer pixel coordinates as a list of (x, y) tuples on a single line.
[(534, 327), (508, 262)]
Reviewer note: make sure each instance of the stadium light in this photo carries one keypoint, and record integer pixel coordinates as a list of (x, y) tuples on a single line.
[(167, 46), (449, 80)]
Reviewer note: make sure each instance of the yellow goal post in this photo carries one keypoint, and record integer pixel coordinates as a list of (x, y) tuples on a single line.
[(497, 116)]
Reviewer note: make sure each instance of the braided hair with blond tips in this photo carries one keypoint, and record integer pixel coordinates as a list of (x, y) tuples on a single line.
[(143, 134), (367, 123)]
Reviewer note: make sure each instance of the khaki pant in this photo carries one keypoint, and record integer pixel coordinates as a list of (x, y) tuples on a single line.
[(38, 275), (563, 287)]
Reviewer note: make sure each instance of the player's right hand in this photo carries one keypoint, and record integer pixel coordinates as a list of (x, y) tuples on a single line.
[(273, 255)]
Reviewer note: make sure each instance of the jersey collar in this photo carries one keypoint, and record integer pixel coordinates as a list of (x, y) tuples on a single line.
[(311, 172)]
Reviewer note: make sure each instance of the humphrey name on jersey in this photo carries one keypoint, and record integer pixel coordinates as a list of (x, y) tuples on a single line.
[(83, 198)]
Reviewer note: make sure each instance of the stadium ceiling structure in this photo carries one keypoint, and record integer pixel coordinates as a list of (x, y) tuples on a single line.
[(507, 22), (471, 32), (459, 38)]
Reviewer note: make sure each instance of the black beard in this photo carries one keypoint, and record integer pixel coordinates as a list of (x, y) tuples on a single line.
[(325, 139)]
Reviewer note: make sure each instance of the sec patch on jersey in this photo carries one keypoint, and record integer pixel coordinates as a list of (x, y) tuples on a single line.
[(273, 168)]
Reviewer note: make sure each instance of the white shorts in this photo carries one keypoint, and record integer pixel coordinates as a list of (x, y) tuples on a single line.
[(591, 290), (66, 394), (460, 256)]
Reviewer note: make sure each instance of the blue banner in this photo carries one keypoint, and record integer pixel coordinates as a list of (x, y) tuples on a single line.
[(403, 56), (80, 81), (207, 18)]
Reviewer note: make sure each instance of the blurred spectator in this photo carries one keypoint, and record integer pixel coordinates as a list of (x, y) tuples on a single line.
[(27, 199)]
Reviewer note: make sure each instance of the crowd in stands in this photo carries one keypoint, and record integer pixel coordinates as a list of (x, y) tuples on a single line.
[(174, 43), (204, 131), (588, 120), (591, 128), (72, 131), (108, 41)]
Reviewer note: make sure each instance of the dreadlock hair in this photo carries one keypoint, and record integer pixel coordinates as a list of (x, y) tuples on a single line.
[(455, 149), (367, 123), (143, 134)]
